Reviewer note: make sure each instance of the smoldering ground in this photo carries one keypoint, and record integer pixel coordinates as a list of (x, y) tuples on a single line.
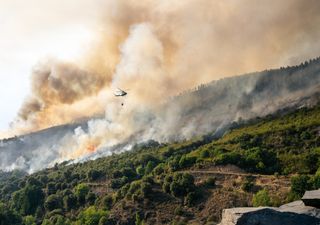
[(158, 49)]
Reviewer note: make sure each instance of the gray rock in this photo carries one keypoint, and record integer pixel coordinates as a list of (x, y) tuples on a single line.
[(294, 213), (312, 198)]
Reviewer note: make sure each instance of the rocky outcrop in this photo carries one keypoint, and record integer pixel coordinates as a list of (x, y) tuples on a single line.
[(312, 198), (295, 213)]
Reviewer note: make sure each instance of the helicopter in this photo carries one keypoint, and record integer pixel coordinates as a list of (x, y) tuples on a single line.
[(120, 93)]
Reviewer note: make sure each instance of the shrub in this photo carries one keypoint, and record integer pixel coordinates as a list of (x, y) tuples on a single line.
[(107, 202), (159, 169), (27, 200), (119, 182), (29, 220), (90, 198), (94, 175), (149, 167), (261, 198), (69, 201), (247, 185), (81, 192), (91, 216), (8, 216), (186, 161), (300, 183), (53, 202), (204, 154), (182, 184), (210, 182), (190, 199), (178, 211), (140, 170), (129, 173)]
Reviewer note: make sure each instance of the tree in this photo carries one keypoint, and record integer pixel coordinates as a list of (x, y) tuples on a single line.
[(51, 188), (146, 189), (103, 221), (261, 198), (28, 199), (29, 220), (204, 154), (190, 199), (107, 202), (300, 183), (9, 217), (140, 170), (81, 192), (210, 182), (94, 175), (91, 216), (182, 184), (90, 198), (149, 167), (53, 202), (69, 201)]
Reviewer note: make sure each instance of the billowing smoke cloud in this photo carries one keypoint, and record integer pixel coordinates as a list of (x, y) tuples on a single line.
[(171, 46), (158, 49)]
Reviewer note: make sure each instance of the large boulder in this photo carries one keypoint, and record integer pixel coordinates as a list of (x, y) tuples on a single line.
[(312, 198), (294, 213)]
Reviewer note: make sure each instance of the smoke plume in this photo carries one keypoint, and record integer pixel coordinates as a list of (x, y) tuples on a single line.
[(156, 50)]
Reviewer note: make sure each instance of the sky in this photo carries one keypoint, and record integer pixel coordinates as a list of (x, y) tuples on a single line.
[(35, 30)]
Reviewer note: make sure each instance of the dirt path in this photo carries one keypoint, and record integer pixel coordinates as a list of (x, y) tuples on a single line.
[(218, 172)]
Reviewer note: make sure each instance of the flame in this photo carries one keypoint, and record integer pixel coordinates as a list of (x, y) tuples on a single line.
[(91, 148)]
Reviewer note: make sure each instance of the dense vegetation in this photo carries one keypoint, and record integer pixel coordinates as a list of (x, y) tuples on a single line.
[(133, 187)]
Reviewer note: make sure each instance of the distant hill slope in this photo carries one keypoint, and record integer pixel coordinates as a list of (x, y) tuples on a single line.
[(187, 182), (208, 108)]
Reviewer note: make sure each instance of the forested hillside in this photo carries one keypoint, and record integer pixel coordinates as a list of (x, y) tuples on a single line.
[(264, 161)]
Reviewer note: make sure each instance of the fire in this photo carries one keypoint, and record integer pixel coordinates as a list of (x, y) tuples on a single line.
[(91, 148)]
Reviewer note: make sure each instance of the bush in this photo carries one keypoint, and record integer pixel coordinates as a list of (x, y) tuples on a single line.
[(129, 173), (140, 170), (190, 199), (91, 216), (210, 182), (53, 202), (29, 220), (186, 161), (90, 198), (119, 182), (81, 192), (182, 184), (69, 202), (146, 189), (149, 167), (300, 183), (107, 202), (204, 154), (178, 211), (27, 200), (9, 217), (261, 198), (316, 180), (247, 185), (94, 175)]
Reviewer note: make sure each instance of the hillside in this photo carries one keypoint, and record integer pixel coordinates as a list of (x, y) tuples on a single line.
[(186, 182), (209, 108)]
